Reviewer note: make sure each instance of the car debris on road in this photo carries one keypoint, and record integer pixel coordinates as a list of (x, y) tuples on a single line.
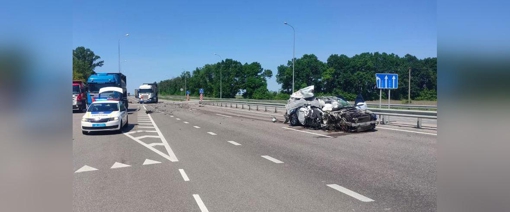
[(328, 113)]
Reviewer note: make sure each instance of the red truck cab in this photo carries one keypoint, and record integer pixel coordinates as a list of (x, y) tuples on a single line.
[(79, 95)]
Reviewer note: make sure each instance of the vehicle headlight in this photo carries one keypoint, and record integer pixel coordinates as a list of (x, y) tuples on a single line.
[(114, 118), (84, 119)]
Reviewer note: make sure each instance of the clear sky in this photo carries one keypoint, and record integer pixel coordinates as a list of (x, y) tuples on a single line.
[(168, 37)]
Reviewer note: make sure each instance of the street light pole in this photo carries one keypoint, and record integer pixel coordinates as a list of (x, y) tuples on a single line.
[(220, 73), (118, 43), (409, 88), (293, 54)]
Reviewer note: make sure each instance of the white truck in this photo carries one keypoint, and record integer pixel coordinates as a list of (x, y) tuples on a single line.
[(148, 92)]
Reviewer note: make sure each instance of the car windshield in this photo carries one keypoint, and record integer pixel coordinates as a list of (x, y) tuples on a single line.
[(110, 95), (94, 88), (103, 107), (145, 91), (76, 89)]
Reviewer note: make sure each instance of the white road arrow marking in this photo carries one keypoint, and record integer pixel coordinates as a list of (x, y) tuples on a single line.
[(85, 169), (119, 165), (149, 162)]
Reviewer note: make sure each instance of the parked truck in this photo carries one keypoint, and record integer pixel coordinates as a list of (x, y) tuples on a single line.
[(148, 92), (100, 80), (79, 95)]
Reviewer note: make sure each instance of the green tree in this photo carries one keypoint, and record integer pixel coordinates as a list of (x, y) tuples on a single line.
[(84, 63)]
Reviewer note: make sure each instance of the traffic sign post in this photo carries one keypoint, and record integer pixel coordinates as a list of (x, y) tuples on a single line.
[(187, 95), (386, 81)]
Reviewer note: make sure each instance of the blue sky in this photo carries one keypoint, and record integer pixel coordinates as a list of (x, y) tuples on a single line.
[(168, 37)]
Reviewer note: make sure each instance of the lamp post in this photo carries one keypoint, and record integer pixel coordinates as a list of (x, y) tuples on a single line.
[(409, 88), (293, 54), (220, 72), (119, 49)]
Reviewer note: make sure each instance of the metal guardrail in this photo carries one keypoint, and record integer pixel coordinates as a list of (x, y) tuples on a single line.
[(381, 112), (371, 105)]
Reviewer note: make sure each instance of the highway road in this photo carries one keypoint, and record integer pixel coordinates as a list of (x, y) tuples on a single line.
[(182, 157)]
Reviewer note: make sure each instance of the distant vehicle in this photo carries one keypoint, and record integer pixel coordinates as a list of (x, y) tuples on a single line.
[(105, 115), (136, 93), (79, 95), (148, 92), (101, 80)]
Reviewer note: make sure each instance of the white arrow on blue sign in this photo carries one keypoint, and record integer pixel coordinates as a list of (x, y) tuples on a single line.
[(386, 81)]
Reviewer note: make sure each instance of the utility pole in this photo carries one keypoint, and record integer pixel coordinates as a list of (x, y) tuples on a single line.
[(409, 88)]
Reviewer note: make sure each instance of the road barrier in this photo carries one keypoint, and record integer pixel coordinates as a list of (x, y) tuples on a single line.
[(257, 101), (383, 113)]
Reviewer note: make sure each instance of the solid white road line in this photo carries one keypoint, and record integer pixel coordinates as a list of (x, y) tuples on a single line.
[(147, 136), (196, 127), (272, 159), (146, 127), (85, 169), (200, 203), (119, 165), (145, 124), (211, 133), (167, 146), (384, 128), (156, 144), (224, 115), (235, 143), (350, 193), (171, 155), (150, 162), (186, 122), (184, 176), (307, 132)]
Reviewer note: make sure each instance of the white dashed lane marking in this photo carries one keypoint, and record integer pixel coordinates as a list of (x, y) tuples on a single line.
[(350, 193), (235, 143), (272, 159), (196, 127), (211, 133), (184, 175), (201, 204)]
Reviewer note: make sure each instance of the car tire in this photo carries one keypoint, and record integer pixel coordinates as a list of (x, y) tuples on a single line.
[(294, 119), (127, 123)]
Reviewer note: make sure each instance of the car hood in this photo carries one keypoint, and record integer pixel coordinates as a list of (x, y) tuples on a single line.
[(101, 114)]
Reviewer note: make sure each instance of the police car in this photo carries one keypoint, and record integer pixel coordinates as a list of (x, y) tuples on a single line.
[(105, 115)]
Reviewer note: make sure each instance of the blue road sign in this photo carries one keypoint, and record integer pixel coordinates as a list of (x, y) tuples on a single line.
[(187, 92), (201, 91), (386, 80)]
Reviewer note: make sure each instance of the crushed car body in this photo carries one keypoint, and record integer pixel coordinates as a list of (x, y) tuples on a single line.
[(328, 112)]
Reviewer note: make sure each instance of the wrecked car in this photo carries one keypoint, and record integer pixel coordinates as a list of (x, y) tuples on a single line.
[(328, 112)]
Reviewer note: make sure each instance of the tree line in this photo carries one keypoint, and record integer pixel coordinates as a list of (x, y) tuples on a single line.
[(339, 75), (248, 80)]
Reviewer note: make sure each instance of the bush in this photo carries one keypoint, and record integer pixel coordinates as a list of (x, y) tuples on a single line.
[(428, 95)]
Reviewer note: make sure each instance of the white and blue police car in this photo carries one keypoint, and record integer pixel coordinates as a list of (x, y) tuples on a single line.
[(105, 115)]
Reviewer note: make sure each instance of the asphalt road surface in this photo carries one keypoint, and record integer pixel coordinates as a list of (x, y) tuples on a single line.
[(182, 157)]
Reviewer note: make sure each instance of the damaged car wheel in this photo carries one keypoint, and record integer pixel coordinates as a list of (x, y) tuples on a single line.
[(294, 119)]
